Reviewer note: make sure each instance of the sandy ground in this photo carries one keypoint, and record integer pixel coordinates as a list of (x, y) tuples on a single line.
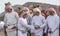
[(2, 32)]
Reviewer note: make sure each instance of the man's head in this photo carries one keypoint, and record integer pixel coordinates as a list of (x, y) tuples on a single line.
[(43, 12), (25, 11), (8, 9), (51, 11), (7, 5), (36, 11)]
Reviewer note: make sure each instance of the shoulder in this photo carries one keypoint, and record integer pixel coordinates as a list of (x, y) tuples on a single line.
[(42, 17), (57, 17), (6, 14), (14, 12)]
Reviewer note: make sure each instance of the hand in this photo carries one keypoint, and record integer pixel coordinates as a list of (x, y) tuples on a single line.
[(37, 27), (14, 27), (50, 32)]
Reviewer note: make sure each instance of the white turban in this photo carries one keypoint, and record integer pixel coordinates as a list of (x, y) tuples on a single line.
[(37, 10)]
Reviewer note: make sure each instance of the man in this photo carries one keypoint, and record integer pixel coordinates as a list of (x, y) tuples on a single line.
[(43, 12), (53, 23), (29, 17), (38, 23), (18, 10), (10, 20), (22, 24)]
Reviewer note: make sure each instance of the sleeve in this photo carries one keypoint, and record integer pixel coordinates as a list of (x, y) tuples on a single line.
[(17, 17), (44, 22), (57, 22), (45, 25), (32, 26), (5, 19), (30, 19), (19, 25)]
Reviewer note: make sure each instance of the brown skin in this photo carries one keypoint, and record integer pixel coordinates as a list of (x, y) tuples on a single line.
[(25, 15), (51, 12), (9, 10), (36, 13), (37, 27), (19, 11)]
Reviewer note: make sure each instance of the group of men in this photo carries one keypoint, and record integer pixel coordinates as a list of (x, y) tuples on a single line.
[(23, 23)]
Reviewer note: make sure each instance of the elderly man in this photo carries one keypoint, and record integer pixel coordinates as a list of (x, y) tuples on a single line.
[(10, 20), (53, 23), (38, 23)]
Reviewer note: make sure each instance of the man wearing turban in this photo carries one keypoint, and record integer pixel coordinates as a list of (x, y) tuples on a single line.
[(10, 20), (53, 23), (38, 23)]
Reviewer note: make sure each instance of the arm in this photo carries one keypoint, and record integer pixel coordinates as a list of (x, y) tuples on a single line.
[(57, 22), (5, 20), (44, 23)]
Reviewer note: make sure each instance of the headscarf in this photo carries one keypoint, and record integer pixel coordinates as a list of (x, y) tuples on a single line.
[(25, 10), (9, 7), (37, 10), (52, 9)]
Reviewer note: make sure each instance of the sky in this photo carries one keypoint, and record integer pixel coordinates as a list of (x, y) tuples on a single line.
[(14, 2)]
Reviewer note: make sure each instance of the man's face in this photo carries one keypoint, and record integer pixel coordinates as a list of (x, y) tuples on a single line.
[(9, 10), (51, 12), (36, 13), (25, 15)]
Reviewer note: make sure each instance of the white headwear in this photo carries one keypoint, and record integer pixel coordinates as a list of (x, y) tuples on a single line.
[(37, 10), (25, 9)]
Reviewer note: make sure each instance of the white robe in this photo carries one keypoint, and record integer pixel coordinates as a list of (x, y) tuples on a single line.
[(10, 20), (53, 24), (38, 20), (22, 25)]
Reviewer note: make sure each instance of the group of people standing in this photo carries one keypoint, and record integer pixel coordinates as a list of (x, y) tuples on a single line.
[(22, 23)]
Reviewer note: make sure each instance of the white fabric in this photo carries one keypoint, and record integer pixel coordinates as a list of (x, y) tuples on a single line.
[(25, 8), (53, 23), (13, 33), (22, 25), (10, 20), (37, 10), (1, 25), (38, 20)]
